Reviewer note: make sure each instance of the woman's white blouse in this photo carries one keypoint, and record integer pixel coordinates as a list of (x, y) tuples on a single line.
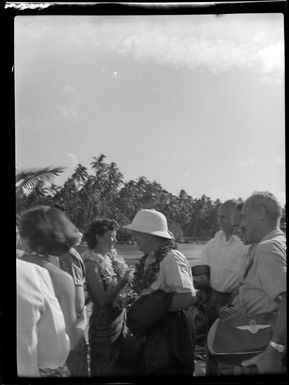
[(175, 274)]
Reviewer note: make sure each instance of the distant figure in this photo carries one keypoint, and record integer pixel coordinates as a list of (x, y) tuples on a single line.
[(221, 264), (236, 218), (42, 341), (46, 233)]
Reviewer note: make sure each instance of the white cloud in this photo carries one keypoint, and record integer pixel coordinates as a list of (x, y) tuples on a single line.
[(231, 42), (199, 52), (271, 59)]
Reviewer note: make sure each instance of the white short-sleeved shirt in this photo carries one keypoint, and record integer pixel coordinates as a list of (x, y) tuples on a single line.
[(42, 341), (175, 274), (226, 260), (266, 278)]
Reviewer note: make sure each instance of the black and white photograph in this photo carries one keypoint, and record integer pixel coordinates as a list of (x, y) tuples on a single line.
[(150, 191)]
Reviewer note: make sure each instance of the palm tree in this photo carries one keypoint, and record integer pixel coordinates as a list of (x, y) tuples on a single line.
[(34, 177)]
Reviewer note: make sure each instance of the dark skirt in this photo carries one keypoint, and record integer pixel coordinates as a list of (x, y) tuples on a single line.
[(107, 331)]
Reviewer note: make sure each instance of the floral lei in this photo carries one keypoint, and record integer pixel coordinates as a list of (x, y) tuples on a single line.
[(143, 278), (112, 273)]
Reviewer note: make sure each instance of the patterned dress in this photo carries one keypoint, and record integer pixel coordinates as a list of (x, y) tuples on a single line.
[(107, 324)]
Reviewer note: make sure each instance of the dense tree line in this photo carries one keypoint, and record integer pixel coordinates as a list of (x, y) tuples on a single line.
[(103, 192)]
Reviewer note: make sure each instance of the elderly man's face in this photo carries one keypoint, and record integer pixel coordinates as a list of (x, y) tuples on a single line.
[(224, 218), (249, 223), (143, 241)]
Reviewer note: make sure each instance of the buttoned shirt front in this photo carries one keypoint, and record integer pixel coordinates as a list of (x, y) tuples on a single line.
[(226, 260)]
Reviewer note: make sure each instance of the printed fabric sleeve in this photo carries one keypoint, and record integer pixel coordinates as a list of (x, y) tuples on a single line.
[(73, 264), (53, 342), (78, 273)]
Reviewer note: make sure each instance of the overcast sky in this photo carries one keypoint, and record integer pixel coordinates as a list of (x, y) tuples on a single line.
[(195, 102)]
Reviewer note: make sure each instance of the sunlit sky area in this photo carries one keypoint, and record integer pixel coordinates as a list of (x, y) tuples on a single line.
[(195, 102)]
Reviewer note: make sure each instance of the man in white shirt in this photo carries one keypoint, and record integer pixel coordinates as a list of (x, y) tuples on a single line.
[(222, 262), (42, 341)]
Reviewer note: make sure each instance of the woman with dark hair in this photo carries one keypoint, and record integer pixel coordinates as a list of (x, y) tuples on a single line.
[(107, 276), (163, 280), (45, 234)]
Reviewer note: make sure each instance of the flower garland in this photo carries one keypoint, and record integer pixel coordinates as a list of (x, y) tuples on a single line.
[(127, 295), (112, 269), (143, 278)]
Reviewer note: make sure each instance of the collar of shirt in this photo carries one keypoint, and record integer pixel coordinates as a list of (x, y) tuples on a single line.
[(272, 234), (222, 237)]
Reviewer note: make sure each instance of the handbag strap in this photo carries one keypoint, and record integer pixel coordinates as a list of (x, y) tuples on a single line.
[(249, 260)]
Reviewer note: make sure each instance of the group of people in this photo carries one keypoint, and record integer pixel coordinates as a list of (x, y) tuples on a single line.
[(143, 319), (244, 266)]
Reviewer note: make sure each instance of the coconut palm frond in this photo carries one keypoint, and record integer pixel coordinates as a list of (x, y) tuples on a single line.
[(29, 179)]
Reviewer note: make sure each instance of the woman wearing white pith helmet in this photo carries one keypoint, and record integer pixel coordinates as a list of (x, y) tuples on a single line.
[(164, 269)]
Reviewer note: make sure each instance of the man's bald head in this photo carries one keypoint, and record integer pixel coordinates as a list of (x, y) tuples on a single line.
[(261, 214)]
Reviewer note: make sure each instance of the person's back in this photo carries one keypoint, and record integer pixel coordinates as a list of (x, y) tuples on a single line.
[(42, 341)]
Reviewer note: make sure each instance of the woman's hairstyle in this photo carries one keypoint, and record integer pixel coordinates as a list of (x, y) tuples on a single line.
[(98, 227), (48, 230)]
